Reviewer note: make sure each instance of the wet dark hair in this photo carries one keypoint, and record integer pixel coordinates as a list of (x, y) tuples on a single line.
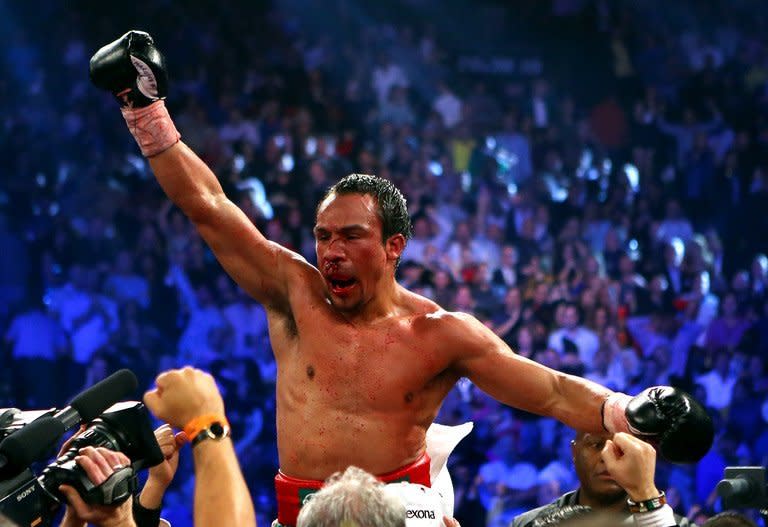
[(393, 211)]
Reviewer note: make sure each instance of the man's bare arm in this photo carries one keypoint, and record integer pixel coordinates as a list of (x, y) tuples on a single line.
[(221, 495), (261, 267), (519, 382)]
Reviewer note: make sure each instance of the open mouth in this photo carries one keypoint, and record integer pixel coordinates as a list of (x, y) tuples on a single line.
[(341, 286)]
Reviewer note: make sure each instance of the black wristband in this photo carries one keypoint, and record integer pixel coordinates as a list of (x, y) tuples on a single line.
[(652, 504), (145, 517)]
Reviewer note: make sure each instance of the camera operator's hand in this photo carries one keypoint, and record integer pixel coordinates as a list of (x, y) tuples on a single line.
[(160, 476), (99, 464), (65, 446), (181, 395), (632, 463)]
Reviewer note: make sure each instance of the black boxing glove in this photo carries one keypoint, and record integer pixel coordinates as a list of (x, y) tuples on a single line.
[(133, 69), (664, 416)]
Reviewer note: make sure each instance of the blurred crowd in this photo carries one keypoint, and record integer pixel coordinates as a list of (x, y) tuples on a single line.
[(606, 221)]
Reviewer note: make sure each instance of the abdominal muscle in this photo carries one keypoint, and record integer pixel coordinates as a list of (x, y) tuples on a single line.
[(314, 440)]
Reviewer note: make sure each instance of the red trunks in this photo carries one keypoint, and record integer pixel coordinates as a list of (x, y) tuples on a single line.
[(291, 492)]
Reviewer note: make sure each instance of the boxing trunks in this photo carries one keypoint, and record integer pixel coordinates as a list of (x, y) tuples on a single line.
[(430, 470), (291, 492)]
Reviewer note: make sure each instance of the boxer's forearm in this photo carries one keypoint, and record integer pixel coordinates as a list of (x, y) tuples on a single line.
[(578, 403), (259, 266), (186, 179), (221, 495), (534, 388)]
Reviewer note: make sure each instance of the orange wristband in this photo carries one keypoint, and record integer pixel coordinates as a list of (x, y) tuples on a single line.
[(202, 422)]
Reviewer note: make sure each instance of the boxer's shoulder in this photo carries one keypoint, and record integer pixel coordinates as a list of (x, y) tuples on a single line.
[(449, 321), (451, 329)]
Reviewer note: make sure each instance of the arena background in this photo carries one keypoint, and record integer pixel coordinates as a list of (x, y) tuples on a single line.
[(606, 153)]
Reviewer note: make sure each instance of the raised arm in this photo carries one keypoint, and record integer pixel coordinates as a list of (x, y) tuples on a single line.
[(261, 267), (189, 399), (134, 70), (522, 383)]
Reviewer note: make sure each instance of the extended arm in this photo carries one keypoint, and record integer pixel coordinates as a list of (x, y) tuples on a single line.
[(522, 383), (662, 414)]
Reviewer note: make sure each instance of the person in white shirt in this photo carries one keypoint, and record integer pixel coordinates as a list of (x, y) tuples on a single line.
[(198, 344), (89, 318), (385, 75), (124, 284), (36, 340), (702, 306), (429, 229), (571, 333), (247, 319), (506, 273), (448, 105), (674, 224), (719, 382)]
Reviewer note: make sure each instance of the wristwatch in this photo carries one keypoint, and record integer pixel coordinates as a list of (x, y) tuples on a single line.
[(204, 427), (216, 431)]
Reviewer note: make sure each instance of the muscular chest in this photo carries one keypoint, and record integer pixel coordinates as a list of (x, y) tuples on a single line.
[(381, 368)]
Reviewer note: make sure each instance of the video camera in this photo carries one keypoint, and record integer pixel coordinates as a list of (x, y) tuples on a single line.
[(27, 437), (744, 488)]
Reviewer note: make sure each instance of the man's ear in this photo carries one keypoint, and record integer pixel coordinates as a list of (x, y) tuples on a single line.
[(395, 245)]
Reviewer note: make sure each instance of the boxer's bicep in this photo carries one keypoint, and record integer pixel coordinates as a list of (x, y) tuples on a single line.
[(507, 377), (522, 383), (264, 269)]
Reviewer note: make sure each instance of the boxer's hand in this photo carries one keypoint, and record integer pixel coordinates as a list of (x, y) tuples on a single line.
[(98, 464), (181, 395), (632, 463), (665, 416), (675, 420), (132, 68)]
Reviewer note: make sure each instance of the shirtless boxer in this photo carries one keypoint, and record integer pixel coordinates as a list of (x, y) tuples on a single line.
[(362, 364)]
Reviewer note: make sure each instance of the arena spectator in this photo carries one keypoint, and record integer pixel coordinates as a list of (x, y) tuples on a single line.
[(36, 341), (611, 473), (572, 337)]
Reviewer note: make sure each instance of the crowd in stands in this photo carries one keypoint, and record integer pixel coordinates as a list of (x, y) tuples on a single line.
[(609, 224)]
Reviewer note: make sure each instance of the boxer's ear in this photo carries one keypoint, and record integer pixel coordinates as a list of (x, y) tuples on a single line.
[(394, 246)]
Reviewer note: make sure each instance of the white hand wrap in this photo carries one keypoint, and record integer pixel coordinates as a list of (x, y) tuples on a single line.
[(614, 416), (152, 128)]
